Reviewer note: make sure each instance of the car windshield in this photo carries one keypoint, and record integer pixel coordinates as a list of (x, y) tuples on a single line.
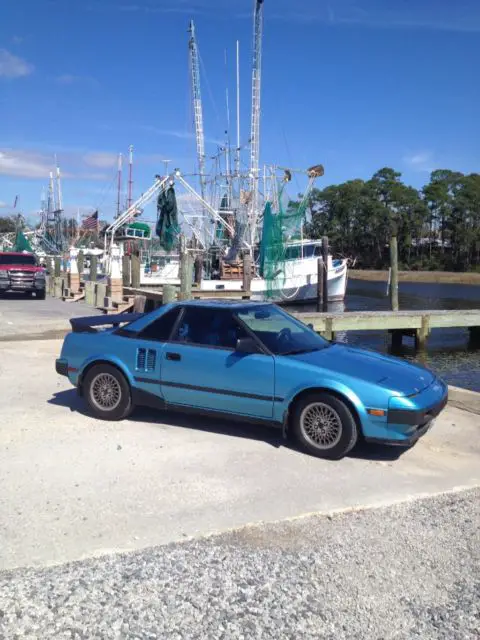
[(15, 259), (281, 333)]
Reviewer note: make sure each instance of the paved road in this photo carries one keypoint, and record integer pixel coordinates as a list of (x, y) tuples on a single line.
[(22, 317), (398, 573), (74, 487)]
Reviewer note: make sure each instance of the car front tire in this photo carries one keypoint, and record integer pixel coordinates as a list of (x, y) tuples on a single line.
[(324, 426), (40, 295), (107, 393)]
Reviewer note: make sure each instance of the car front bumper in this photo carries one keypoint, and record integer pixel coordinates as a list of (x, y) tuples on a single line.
[(403, 426), (408, 440), (24, 286)]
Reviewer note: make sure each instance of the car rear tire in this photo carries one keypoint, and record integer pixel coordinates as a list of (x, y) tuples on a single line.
[(107, 393), (324, 426)]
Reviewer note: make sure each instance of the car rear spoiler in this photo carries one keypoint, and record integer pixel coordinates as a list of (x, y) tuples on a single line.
[(88, 324)]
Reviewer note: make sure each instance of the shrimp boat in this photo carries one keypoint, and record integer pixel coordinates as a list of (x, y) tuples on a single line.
[(298, 284), (232, 212)]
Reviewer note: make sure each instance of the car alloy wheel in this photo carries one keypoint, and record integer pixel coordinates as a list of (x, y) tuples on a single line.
[(321, 425), (105, 392)]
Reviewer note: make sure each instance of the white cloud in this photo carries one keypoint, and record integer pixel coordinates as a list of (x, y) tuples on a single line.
[(24, 164), (101, 159), (11, 66), (447, 16), (17, 39), (3, 205), (177, 133), (420, 161), (418, 158)]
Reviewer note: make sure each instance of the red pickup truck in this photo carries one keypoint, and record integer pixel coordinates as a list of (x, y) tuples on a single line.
[(21, 272)]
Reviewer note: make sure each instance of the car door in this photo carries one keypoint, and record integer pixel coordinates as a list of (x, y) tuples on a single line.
[(201, 369), (143, 352)]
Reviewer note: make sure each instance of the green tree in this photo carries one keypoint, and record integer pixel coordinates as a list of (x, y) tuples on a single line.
[(7, 224), (437, 227)]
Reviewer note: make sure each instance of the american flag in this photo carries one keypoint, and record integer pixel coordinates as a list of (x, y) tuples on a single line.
[(91, 222)]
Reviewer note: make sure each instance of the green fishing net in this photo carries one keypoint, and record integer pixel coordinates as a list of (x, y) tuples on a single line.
[(279, 229)]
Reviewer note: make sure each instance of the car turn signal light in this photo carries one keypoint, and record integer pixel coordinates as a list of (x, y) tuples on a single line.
[(377, 412)]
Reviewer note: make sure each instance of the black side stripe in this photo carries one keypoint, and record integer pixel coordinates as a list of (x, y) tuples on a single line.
[(146, 381), (222, 392)]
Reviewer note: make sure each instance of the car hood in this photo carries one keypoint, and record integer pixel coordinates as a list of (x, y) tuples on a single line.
[(20, 267), (391, 373)]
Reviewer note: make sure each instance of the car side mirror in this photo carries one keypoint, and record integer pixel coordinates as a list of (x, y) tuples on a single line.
[(246, 345), (310, 326)]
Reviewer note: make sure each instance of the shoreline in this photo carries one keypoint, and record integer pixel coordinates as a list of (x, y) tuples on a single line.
[(432, 277)]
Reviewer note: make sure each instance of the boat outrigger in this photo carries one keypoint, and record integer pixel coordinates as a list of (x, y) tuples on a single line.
[(231, 213)]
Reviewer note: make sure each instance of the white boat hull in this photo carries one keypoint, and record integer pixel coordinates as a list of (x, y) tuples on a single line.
[(299, 282)]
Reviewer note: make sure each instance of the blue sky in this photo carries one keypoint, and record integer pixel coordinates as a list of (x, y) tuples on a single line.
[(353, 84)]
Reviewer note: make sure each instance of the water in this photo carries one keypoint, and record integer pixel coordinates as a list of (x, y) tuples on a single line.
[(449, 353)]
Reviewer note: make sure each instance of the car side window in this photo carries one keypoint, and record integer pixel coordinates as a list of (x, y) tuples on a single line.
[(161, 328), (209, 327)]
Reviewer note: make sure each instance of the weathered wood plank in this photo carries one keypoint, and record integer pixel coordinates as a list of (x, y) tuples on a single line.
[(157, 294), (391, 320)]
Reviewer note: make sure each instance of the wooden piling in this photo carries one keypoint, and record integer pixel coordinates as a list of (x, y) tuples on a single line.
[(139, 304), (57, 267), (126, 271), (325, 273), (80, 263), (198, 270), (93, 268), (247, 272), (319, 284), (394, 278), (421, 335), (169, 293), (186, 273), (136, 266)]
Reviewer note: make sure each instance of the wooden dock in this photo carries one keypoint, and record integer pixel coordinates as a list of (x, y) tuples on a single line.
[(398, 323)]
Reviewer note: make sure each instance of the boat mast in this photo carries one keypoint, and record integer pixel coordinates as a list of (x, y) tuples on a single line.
[(237, 154), (130, 176), (119, 184), (256, 111), (197, 105)]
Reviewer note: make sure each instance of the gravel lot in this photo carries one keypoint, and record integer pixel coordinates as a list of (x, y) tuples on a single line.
[(405, 571)]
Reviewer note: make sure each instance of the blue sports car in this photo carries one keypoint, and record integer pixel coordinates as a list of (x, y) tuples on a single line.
[(251, 361)]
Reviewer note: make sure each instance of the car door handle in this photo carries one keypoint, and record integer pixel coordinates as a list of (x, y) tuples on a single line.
[(176, 357)]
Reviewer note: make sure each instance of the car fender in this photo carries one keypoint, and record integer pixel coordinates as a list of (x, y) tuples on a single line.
[(328, 384), (103, 358)]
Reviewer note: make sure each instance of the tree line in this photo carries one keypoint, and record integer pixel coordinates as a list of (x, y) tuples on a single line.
[(438, 226), (69, 226)]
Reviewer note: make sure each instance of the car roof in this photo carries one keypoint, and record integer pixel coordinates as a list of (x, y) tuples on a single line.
[(223, 303)]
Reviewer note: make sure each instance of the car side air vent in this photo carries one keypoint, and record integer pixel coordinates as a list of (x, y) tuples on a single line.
[(151, 360), (146, 359), (141, 359)]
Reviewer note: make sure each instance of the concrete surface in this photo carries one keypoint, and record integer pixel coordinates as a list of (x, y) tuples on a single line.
[(403, 572), (74, 487), (29, 318)]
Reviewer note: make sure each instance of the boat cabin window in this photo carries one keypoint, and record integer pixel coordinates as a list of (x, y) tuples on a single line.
[(294, 252)]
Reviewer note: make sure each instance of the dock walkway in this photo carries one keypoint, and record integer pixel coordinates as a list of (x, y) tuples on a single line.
[(398, 323)]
